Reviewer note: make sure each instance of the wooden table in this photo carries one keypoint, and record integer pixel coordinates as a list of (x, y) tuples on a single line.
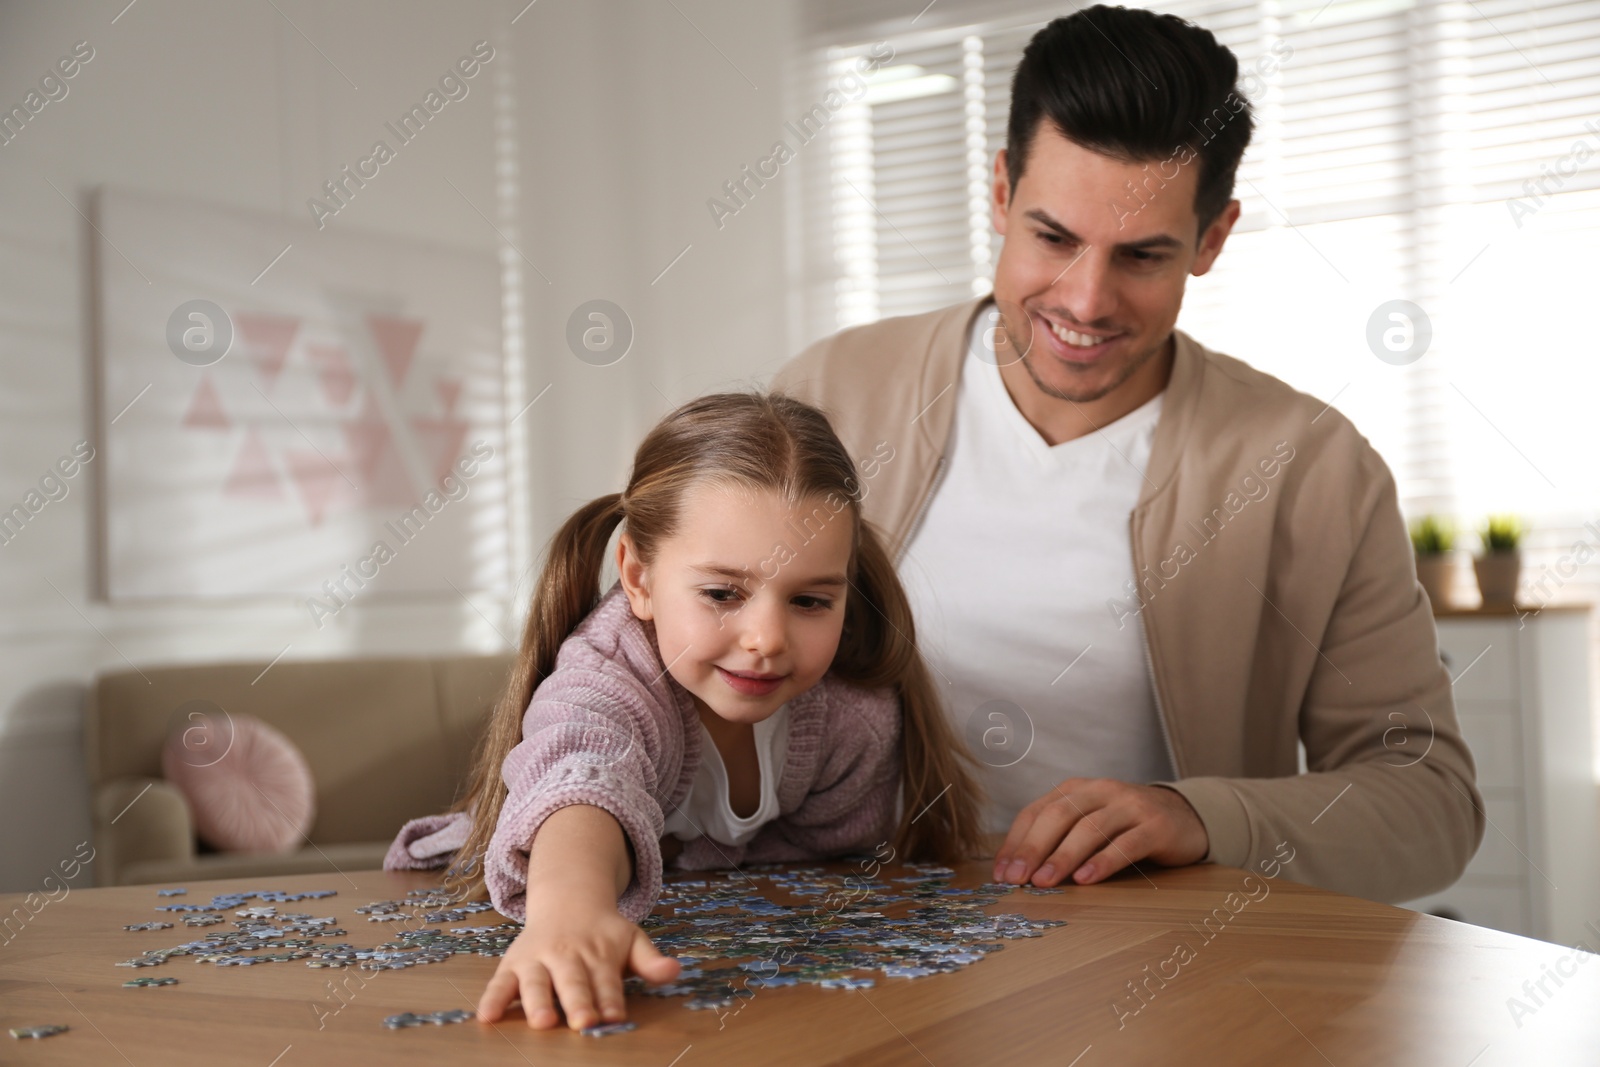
[(1286, 975)]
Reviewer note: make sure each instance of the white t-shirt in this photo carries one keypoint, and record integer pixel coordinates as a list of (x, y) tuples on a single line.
[(706, 809), (1009, 575)]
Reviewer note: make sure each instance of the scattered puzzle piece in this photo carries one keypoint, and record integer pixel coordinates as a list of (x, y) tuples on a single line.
[(38, 1031), (408, 1019), (608, 1029)]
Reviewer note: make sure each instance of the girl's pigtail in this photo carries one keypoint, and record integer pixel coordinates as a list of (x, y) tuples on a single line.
[(568, 590), (940, 797)]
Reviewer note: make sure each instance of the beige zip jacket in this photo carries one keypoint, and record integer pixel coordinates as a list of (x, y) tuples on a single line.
[(1277, 593)]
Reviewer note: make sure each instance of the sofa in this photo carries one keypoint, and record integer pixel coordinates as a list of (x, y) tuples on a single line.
[(386, 739)]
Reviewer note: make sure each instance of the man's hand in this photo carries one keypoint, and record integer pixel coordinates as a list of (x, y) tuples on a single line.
[(1090, 828)]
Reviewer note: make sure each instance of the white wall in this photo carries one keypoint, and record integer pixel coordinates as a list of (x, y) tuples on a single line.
[(625, 120)]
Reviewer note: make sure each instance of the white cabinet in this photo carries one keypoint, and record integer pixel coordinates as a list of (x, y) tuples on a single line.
[(1522, 692)]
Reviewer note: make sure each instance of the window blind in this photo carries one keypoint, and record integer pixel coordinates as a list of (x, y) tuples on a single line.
[(1442, 153)]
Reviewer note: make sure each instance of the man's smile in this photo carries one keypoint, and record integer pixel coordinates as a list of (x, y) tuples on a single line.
[(1071, 344)]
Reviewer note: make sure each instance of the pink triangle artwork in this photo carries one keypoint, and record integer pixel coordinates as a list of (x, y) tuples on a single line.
[(449, 390), (253, 475), (397, 342), (366, 437), (205, 410), (268, 338), (316, 478), (360, 376), (375, 460), (442, 439), (334, 373)]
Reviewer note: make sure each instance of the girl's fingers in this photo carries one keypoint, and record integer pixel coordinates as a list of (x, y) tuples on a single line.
[(646, 961), (606, 978), (498, 994), (538, 1006), (571, 976)]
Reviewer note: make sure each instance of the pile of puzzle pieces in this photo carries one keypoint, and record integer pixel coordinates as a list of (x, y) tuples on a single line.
[(830, 929), (262, 927), (734, 939)]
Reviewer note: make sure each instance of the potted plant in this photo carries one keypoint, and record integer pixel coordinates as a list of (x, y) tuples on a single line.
[(1500, 564), (1432, 539)]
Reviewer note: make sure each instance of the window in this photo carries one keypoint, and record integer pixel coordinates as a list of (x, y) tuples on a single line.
[(1442, 153)]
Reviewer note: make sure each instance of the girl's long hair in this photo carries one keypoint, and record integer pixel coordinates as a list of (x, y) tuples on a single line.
[(754, 441)]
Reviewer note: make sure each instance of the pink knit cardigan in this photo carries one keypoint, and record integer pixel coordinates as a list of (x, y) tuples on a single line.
[(610, 727)]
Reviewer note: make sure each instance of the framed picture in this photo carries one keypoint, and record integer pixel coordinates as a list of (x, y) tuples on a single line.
[(288, 410)]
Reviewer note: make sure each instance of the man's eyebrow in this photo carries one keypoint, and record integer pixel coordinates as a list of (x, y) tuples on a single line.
[(746, 574), (1160, 240)]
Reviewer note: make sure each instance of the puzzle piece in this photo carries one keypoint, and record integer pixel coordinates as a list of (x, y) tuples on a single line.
[(608, 1029), (408, 1019), (38, 1031)]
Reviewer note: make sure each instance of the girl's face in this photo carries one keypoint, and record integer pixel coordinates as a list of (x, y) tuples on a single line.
[(747, 597)]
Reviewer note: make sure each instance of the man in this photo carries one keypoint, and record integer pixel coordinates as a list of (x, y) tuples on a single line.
[(1142, 570)]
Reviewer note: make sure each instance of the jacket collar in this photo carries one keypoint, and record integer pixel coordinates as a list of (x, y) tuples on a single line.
[(1179, 409), (941, 371)]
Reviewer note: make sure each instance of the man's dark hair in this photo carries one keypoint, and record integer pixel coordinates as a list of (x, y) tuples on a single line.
[(1136, 86)]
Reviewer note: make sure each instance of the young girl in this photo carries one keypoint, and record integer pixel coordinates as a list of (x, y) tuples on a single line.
[(748, 691)]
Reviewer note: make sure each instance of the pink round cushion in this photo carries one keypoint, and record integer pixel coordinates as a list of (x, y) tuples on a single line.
[(248, 786)]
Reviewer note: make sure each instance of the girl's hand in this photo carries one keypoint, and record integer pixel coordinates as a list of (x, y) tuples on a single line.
[(575, 949)]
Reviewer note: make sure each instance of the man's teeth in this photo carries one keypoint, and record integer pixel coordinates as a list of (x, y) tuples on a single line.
[(1075, 339)]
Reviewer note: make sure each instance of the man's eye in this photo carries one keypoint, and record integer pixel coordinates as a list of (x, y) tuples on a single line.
[(1053, 238)]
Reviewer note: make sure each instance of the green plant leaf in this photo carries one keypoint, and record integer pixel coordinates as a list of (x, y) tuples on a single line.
[(1432, 536), (1502, 533)]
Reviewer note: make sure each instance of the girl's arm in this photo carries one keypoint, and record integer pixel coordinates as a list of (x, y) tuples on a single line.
[(590, 737), (575, 946)]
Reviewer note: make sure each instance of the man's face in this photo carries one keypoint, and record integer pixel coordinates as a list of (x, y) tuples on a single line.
[(1097, 270)]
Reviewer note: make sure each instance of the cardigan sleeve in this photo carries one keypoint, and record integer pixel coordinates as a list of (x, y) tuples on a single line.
[(590, 736), (428, 842)]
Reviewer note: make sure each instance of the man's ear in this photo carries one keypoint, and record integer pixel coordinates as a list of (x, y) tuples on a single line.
[(631, 570), (1000, 193), (1212, 240)]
